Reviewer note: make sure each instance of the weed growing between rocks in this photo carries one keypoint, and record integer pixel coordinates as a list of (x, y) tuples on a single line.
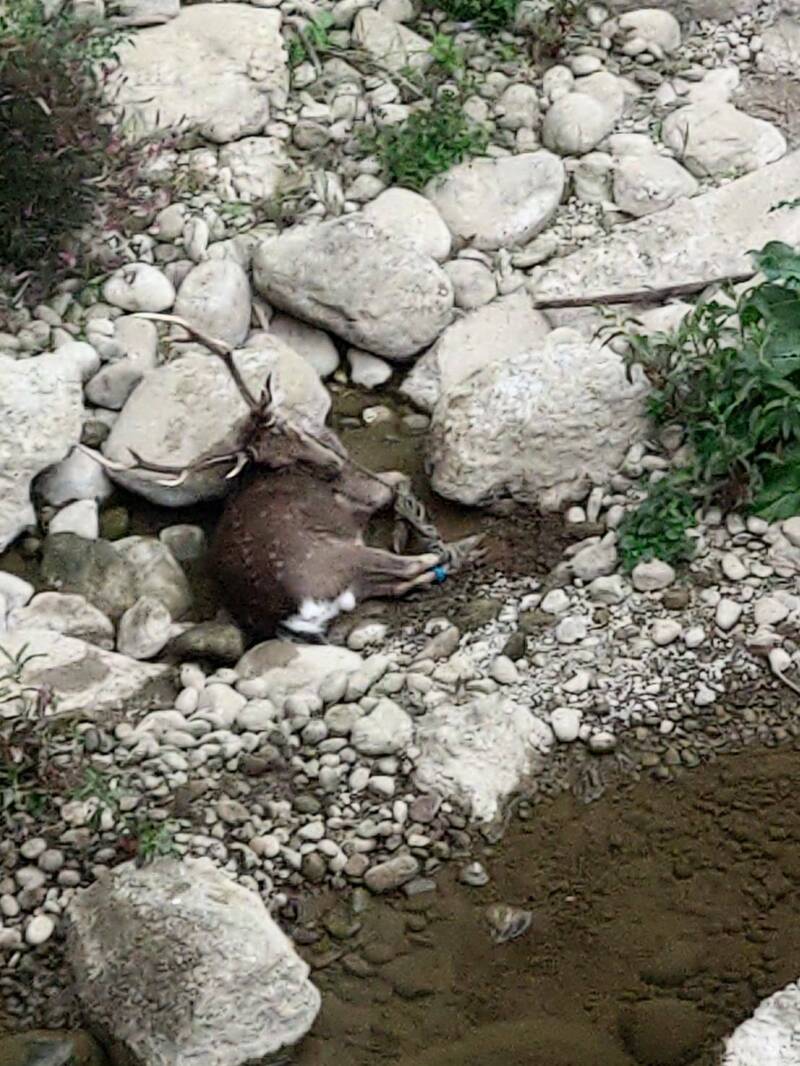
[(62, 160), (429, 142), (730, 374), (489, 16)]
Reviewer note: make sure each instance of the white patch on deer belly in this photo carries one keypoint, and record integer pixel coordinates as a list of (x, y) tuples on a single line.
[(313, 616)]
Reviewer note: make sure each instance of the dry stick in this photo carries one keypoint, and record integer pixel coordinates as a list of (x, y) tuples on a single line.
[(640, 295)]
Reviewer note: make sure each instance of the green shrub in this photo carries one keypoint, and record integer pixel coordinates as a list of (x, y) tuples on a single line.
[(488, 16), (429, 142), (730, 374), (657, 528), (59, 159)]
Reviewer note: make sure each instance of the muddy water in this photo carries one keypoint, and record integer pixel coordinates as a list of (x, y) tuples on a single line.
[(663, 913)]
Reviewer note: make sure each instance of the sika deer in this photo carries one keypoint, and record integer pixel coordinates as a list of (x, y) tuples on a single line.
[(289, 553)]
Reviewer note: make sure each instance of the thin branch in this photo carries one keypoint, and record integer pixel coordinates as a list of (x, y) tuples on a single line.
[(689, 288)]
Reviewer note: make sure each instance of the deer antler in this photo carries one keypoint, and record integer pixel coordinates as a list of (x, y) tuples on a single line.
[(220, 348), (177, 475)]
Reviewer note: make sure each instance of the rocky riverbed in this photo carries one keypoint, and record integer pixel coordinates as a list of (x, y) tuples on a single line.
[(373, 796)]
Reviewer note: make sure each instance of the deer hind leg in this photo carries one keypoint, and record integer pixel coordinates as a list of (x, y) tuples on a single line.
[(382, 573)]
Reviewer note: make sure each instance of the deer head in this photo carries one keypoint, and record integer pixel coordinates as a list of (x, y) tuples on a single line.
[(271, 437)]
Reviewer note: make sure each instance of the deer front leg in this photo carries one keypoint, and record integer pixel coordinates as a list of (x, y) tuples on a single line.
[(384, 574)]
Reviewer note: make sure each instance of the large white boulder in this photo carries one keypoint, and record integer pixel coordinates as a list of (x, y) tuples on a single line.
[(769, 1036), (67, 613), (176, 963), (499, 203), (215, 68), (350, 277), (706, 237), (713, 138), (191, 407), (480, 753), (504, 327), (542, 426), (41, 404), (290, 669), (84, 677), (647, 183)]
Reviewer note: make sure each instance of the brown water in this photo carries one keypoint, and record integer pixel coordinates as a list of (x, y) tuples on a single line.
[(662, 915)]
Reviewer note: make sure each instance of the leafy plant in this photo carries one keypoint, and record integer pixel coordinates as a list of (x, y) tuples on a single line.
[(489, 16), (447, 56), (61, 159), (429, 142), (657, 528), (731, 375), (312, 40)]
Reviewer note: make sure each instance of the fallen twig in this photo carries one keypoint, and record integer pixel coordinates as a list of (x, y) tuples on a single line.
[(641, 295)]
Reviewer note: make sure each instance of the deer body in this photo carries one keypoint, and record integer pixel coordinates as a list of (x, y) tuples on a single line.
[(289, 551)]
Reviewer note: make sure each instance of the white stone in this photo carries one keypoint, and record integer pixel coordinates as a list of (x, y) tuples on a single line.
[(65, 613), (695, 239), (367, 370), (139, 287), (314, 345), (112, 385), (704, 696), (609, 590), (80, 518), (85, 356), (412, 220), (479, 753), (214, 297), (349, 277), (571, 630), (733, 567), (499, 203), (178, 963), (652, 576), (602, 742), (16, 591), (393, 45), (259, 167), (769, 610), (144, 629), (83, 677), (78, 477), (290, 668), (644, 184), (556, 601), (542, 426), (384, 731), (714, 138), (503, 671), (473, 283), (665, 631), (518, 107), (575, 124), (769, 1036), (191, 406), (508, 326), (40, 421), (653, 26), (595, 560), (727, 614), (791, 530), (39, 930), (566, 723), (694, 636), (216, 68)]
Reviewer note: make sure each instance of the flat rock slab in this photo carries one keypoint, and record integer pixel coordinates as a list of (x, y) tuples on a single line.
[(215, 68), (694, 240), (85, 678)]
